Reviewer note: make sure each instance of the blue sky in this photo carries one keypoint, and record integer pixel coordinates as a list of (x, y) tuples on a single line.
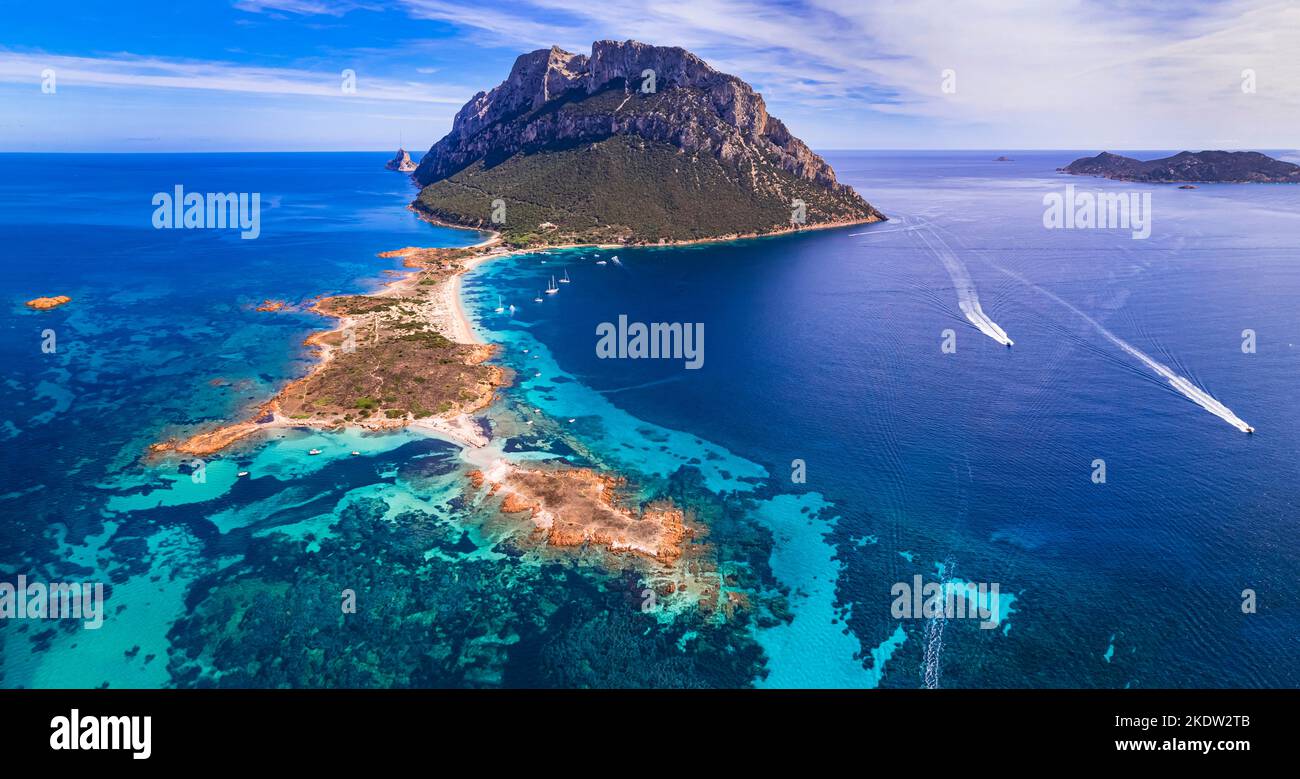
[(246, 75)]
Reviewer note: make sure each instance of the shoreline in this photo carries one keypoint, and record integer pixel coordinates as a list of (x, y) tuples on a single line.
[(573, 508), (448, 315)]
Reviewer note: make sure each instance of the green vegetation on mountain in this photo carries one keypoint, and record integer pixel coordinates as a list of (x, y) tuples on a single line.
[(578, 152), (624, 189)]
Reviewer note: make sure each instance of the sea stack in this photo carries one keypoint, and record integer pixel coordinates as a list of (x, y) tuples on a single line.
[(401, 162)]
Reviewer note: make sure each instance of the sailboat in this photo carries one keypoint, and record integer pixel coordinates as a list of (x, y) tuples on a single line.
[(512, 308), (565, 280), (551, 290), (538, 299), (499, 307)]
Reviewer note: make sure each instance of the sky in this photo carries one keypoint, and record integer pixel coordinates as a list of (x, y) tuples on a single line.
[(269, 75)]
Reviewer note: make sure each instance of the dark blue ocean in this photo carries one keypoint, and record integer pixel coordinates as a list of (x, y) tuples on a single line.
[(973, 464)]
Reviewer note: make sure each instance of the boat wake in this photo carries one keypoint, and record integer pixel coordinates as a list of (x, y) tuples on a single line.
[(1181, 384), (968, 299), (930, 665)]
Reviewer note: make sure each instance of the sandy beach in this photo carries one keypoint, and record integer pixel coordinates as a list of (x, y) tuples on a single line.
[(441, 309)]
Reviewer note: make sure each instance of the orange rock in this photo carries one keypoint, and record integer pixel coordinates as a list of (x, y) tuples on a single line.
[(41, 304), (514, 503), (580, 506)]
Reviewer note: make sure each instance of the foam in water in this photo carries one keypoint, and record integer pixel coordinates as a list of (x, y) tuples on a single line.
[(1197, 395), (967, 298)]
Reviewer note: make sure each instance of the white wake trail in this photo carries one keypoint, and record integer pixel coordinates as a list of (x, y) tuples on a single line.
[(1197, 395), (968, 300)]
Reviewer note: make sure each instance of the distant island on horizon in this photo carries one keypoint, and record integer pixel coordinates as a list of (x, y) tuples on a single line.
[(636, 144), (1205, 167)]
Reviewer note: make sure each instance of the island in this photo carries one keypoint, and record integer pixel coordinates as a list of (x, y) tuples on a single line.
[(634, 144), (1205, 167), (695, 158)]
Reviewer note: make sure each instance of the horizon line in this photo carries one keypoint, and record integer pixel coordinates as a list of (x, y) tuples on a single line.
[(390, 150)]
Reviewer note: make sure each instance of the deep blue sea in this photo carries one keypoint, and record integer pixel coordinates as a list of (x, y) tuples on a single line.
[(976, 463)]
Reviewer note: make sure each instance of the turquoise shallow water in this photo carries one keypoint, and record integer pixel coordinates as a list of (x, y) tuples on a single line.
[(966, 467)]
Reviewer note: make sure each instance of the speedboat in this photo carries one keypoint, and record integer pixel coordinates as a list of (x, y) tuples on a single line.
[(356, 454), (314, 451), (1250, 430), (242, 474)]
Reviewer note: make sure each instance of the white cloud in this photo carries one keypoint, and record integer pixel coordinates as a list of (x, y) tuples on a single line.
[(130, 71), (854, 73), (1055, 74), (303, 7)]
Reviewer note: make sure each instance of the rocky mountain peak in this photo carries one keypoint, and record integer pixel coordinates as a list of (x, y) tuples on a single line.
[(653, 98)]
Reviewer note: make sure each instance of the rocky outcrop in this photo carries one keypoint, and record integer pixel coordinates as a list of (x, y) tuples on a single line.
[(401, 162), (555, 100), (573, 507), (1238, 167), (42, 304)]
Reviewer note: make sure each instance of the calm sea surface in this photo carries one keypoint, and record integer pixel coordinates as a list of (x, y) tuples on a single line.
[(974, 464)]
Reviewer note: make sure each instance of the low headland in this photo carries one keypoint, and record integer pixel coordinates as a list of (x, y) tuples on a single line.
[(407, 356)]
